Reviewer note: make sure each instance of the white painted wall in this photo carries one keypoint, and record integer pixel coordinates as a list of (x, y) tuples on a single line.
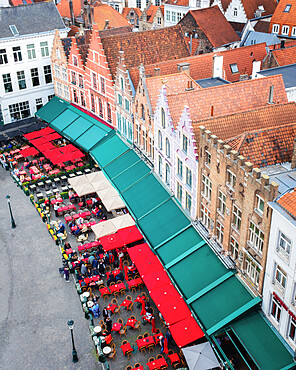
[(144, 3), (171, 13), (30, 93), (230, 12), (281, 222)]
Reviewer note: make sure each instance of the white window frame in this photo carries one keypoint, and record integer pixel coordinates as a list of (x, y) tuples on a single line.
[(188, 202), (205, 216), (179, 192), (44, 49), (292, 322), (188, 177), (284, 245), (208, 158), (230, 179), (293, 32), (168, 15), (221, 202), (286, 29), (160, 165), (179, 168), (236, 218), (280, 278), (167, 174), (167, 147), (278, 309), (275, 28), (159, 140), (31, 51), (220, 232), (234, 248), (184, 143), (259, 205), (206, 188), (256, 238), (252, 271)]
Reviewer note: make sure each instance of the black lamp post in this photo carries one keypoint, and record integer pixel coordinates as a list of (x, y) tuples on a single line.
[(74, 352), (13, 225)]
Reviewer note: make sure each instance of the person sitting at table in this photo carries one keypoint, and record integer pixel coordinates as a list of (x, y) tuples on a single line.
[(96, 310), (97, 211), (148, 316), (71, 224), (67, 246), (82, 283), (71, 194), (95, 271), (80, 221), (83, 269), (79, 277), (46, 202), (108, 325), (111, 279), (90, 259), (116, 264), (61, 227), (106, 313), (101, 268), (80, 257), (103, 217), (95, 263), (119, 277), (94, 202), (58, 195), (88, 272), (56, 206)]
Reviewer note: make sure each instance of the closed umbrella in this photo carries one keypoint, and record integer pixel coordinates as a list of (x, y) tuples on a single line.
[(201, 357)]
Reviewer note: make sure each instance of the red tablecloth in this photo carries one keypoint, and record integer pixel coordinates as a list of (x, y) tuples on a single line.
[(116, 326), (145, 342), (34, 170), (54, 201), (69, 168), (69, 251), (126, 347), (114, 272), (174, 358), (111, 307), (126, 303), (104, 291), (131, 322), (134, 282), (157, 364), (116, 287), (138, 368)]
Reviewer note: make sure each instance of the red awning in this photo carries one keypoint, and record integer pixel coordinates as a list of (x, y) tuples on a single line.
[(29, 152), (130, 234), (45, 147), (144, 259), (156, 279), (39, 141), (112, 241), (68, 149), (75, 155), (53, 136), (186, 331), (175, 311), (165, 293), (43, 132)]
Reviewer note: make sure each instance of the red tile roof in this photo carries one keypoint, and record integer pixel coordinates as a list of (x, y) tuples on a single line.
[(126, 11), (250, 7), (262, 26), (282, 17), (270, 115), (150, 12), (227, 99), (103, 12), (214, 25), (146, 47), (285, 56), (288, 202), (267, 146), (178, 2), (20, 2), (64, 10)]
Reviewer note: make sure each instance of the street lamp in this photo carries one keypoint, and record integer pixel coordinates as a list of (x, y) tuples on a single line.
[(13, 225), (74, 353)]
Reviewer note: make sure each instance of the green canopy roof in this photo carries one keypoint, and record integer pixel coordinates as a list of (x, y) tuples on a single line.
[(52, 109), (262, 344)]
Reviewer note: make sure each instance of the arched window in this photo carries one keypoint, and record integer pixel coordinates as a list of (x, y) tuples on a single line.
[(162, 118), (142, 112), (235, 12), (167, 148), (160, 165), (159, 140), (109, 113), (167, 174)]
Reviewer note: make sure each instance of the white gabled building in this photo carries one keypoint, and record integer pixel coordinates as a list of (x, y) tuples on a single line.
[(279, 290), (26, 38), (175, 10)]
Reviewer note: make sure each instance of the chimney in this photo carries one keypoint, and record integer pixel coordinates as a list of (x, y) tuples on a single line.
[(218, 66), (255, 68), (71, 12), (270, 96), (190, 44), (156, 71), (259, 11), (282, 44), (106, 24), (189, 85), (293, 160), (212, 111)]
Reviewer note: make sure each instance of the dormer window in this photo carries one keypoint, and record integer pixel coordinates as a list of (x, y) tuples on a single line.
[(235, 12), (275, 28), (285, 30), (287, 8), (234, 68), (75, 60)]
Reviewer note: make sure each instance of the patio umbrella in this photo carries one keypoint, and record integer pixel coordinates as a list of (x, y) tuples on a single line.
[(107, 193), (130, 234), (123, 221), (84, 189), (110, 242), (201, 357), (104, 228), (113, 203), (78, 180), (95, 176), (101, 184)]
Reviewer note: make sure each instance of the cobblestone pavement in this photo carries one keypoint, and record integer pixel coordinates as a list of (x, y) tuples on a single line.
[(35, 302)]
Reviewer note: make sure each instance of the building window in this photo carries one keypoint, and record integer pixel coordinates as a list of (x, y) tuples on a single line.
[(160, 165), (236, 218), (292, 329), (284, 244), (198, 3), (50, 97), (220, 232), (159, 20), (276, 309), (293, 33), (7, 83), (31, 51), (162, 118), (39, 103), (287, 8), (188, 202), (221, 202), (138, 4), (252, 271), (144, 137), (21, 79), (57, 71), (19, 110), (179, 192), (66, 92), (167, 174), (205, 216), (151, 149), (184, 144), (44, 49), (127, 105), (234, 247), (179, 17), (101, 108), (173, 16), (168, 15), (116, 7), (285, 30), (275, 28), (58, 53), (188, 177), (75, 60), (64, 74), (138, 134), (3, 56), (206, 187), (92, 102), (109, 118), (59, 89), (80, 81), (235, 12), (17, 54), (157, 2), (118, 122), (47, 74), (75, 96), (230, 179), (121, 84), (35, 77), (94, 81), (82, 99), (124, 126), (159, 140), (280, 278), (180, 168), (73, 78), (259, 208), (119, 99), (142, 112), (130, 131), (256, 238), (208, 158), (167, 148), (102, 85), (234, 68)]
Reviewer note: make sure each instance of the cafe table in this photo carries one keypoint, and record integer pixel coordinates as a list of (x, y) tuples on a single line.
[(111, 307), (126, 303), (145, 342), (116, 287), (107, 350), (174, 358), (97, 329), (116, 326), (126, 348), (131, 323), (157, 364), (138, 368)]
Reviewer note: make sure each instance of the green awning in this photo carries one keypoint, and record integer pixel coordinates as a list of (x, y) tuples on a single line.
[(262, 344), (63, 120), (164, 222), (77, 128), (107, 151), (131, 176), (52, 109), (90, 137), (122, 163), (145, 195)]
